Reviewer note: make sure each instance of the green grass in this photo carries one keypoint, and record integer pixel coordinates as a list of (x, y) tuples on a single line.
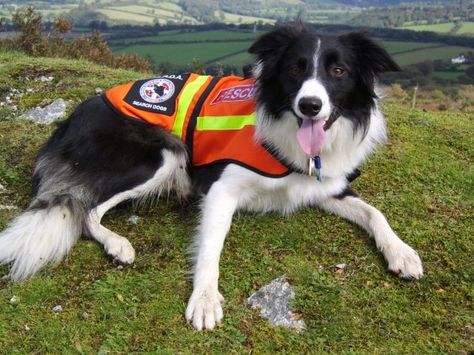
[(216, 35), (438, 27), (467, 28), (447, 75), (422, 180), (119, 15), (443, 52), (182, 54), (400, 46)]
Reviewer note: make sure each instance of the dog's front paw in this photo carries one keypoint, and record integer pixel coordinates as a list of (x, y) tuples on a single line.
[(204, 309), (404, 261), (121, 250)]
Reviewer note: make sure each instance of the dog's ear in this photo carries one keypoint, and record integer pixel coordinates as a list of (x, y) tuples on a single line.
[(371, 56), (274, 43)]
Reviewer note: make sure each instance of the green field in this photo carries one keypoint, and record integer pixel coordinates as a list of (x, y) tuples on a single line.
[(444, 52), (447, 75), (218, 35), (180, 54), (421, 180), (400, 46), (467, 28), (405, 53), (439, 27)]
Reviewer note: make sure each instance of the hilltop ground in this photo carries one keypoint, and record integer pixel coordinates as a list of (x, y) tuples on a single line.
[(422, 180)]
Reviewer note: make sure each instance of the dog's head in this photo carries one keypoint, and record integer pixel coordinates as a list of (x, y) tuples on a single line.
[(313, 76)]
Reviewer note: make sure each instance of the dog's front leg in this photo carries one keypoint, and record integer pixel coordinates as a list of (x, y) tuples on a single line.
[(401, 258), (204, 307)]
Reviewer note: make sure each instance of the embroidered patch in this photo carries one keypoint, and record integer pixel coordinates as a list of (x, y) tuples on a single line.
[(157, 90), (234, 94), (157, 95)]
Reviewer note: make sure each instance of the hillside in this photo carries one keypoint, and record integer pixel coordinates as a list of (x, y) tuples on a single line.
[(422, 180)]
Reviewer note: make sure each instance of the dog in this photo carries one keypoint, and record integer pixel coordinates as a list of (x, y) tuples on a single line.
[(308, 117)]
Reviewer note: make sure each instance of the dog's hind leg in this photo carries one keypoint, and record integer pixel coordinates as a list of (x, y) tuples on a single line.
[(171, 175)]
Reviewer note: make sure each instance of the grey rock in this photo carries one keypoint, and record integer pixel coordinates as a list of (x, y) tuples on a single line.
[(43, 78), (341, 266), (7, 207), (14, 300), (133, 219), (47, 114), (99, 91), (273, 302), (57, 309)]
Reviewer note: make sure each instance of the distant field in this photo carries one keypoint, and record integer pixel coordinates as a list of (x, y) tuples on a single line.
[(127, 16), (180, 54), (194, 36), (236, 18), (438, 27), (225, 46), (444, 52), (400, 46), (447, 75), (467, 28)]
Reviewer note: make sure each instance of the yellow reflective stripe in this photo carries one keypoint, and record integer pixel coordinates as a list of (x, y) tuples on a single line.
[(224, 123), (184, 101)]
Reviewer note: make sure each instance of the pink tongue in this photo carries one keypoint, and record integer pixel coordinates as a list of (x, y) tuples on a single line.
[(311, 136)]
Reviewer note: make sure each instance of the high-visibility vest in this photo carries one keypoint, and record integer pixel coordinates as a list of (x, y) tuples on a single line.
[(214, 116)]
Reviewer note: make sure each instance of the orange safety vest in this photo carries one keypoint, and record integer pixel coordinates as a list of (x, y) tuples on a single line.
[(214, 116)]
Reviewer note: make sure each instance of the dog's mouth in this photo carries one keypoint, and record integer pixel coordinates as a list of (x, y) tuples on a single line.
[(312, 132)]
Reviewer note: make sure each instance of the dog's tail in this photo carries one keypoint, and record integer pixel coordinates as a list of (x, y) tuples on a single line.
[(43, 234)]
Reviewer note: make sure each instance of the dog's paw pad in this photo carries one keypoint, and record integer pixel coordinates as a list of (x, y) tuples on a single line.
[(204, 309), (121, 250), (405, 262)]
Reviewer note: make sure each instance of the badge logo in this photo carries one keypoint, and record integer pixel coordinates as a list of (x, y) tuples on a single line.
[(157, 90)]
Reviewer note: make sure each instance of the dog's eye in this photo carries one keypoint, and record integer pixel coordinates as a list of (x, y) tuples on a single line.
[(298, 68), (294, 70), (337, 72)]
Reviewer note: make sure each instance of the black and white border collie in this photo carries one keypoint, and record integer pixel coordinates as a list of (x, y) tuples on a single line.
[(305, 83)]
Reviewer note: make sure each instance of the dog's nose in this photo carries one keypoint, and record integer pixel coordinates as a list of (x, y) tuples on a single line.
[(310, 106)]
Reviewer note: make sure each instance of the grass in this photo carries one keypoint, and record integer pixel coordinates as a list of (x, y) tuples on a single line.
[(416, 56), (422, 180), (216, 35), (467, 28), (124, 16), (394, 47), (437, 27), (183, 54)]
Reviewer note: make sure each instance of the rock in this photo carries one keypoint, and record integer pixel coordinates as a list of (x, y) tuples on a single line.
[(341, 266), (43, 78), (26, 328), (99, 91), (133, 219), (47, 114), (58, 308), (7, 207), (84, 315), (14, 300), (273, 302)]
